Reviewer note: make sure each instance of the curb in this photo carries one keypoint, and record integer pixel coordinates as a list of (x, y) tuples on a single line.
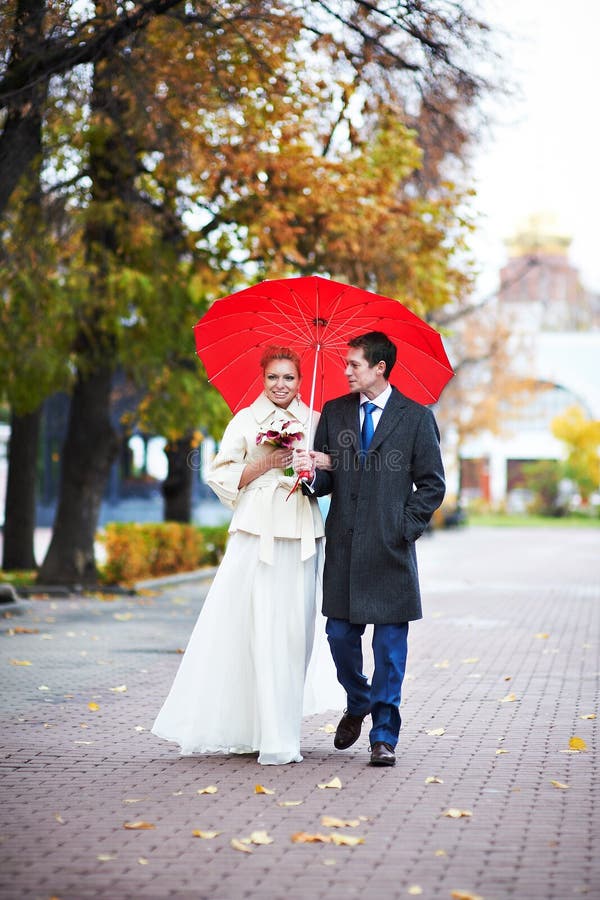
[(176, 578)]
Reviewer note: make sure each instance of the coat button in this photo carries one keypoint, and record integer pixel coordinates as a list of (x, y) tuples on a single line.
[(351, 531)]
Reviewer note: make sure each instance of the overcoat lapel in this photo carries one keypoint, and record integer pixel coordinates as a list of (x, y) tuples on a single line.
[(351, 421), (390, 418)]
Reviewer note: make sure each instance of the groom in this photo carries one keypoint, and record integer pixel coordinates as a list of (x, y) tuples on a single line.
[(384, 472)]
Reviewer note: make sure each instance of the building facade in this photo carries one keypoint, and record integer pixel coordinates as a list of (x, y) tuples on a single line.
[(556, 328)]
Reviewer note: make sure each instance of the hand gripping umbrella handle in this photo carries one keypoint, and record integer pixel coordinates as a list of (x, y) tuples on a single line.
[(303, 476)]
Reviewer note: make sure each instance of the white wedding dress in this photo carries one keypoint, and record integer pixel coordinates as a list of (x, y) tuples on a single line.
[(251, 668)]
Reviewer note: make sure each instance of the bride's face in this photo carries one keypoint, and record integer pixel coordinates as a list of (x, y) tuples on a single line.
[(281, 381)]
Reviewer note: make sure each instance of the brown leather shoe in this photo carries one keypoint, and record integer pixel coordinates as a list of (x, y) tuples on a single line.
[(348, 730), (382, 754)]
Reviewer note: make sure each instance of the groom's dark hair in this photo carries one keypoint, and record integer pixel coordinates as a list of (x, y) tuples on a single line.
[(376, 347)]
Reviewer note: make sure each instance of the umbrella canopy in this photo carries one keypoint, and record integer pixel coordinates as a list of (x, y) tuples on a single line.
[(316, 317)]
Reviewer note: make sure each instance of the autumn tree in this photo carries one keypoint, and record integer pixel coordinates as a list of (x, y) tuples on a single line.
[(212, 142), (36, 329), (582, 439), (488, 390), (417, 52)]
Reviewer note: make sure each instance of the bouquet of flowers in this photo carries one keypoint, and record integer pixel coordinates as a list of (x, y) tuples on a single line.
[(282, 434)]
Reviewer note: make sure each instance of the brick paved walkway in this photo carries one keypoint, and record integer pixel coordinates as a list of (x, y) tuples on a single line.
[(509, 613)]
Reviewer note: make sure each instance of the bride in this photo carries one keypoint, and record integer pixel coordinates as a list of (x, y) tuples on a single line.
[(252, 666)]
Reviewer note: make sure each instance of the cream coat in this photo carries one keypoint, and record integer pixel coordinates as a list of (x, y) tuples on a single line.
[(263, 507)]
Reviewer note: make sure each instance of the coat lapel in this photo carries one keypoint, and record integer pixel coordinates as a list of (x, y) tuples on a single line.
[(389, 418), (351, 422), (264, 410)]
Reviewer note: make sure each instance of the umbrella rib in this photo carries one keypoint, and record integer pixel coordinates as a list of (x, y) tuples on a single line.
[(251, 387), (282, 309), (418, 380)]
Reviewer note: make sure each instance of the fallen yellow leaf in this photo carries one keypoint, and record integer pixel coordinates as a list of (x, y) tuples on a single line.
[(415, 890), (290, 802), (465, 895), (510, 698), (442, 665), (121, 689), (207, 835), (105, 857), (577, 743), (588, 716), (43, 687), (501, 751), (142, 861), (433, 779), (559, 784), (259, 789), (346, 840), (436, 732), (211, 789), (237, 845), (59, 818), (334, 783), (328, 729), (542, 635), (302, 837), (440, 853), (138, 826), (20, 662), (333, 822), (133, 799), (123, 617), (457, 813), (93, 707), (259, 837), (471, 659), (18, 629)]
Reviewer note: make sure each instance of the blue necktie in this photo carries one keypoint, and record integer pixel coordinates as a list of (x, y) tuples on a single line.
[(368, 428)]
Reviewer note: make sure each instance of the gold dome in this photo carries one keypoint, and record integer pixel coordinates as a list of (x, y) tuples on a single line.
[(539, 233)]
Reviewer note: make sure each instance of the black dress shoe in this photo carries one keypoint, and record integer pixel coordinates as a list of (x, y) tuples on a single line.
[(382, 754), (348, 730)]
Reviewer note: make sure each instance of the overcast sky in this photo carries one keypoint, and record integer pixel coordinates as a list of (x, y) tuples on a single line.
[(544, 152)]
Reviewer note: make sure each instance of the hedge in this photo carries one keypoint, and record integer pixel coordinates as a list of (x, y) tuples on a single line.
[(137, 551)]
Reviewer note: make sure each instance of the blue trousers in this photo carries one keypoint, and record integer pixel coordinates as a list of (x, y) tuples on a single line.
[(382, 697)]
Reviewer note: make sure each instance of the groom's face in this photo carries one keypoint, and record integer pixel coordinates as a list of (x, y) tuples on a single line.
[(363, 378)]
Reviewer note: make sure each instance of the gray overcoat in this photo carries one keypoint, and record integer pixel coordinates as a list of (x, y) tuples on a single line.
[(377, 512)]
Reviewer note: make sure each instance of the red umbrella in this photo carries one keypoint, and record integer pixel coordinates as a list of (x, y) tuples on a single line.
[(316, 317)]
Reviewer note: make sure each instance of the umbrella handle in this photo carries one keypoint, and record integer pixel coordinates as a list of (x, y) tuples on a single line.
[(305, 477)]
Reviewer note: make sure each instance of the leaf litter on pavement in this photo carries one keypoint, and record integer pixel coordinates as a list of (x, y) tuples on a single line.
[(259, 789), (334, 783)]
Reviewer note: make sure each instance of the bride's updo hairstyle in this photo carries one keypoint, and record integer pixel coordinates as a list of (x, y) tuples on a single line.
[(272, 352)]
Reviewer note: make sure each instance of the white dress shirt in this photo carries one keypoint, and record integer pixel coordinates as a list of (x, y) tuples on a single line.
[(379, 402)]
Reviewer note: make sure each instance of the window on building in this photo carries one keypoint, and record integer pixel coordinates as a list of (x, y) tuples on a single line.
[(548, 402)]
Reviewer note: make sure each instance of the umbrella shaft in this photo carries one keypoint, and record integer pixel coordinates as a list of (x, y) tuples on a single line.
[(312, 398)]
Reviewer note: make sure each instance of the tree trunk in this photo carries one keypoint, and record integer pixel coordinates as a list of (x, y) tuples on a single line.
[(177, 486), (19, 141), (90, 448), (19, 510)]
